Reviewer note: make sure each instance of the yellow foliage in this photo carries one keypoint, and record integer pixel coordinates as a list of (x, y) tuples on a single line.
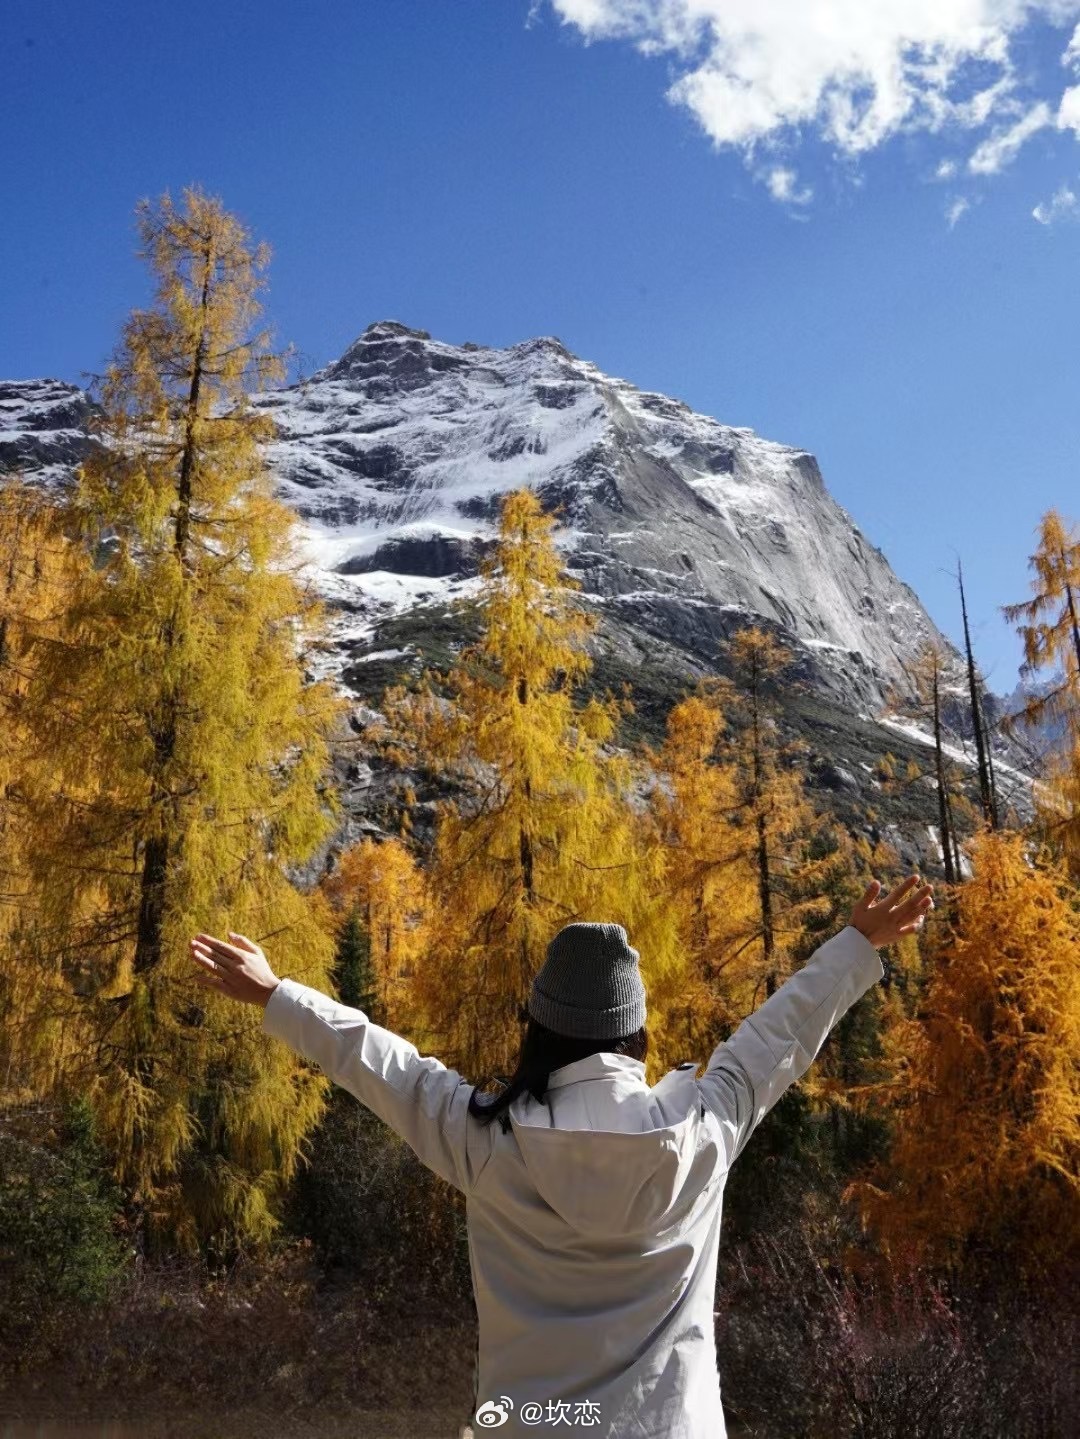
[(40, 1018), (544, 830), (383, 882), (186, 755), (985, 1161), (691, 809), (753, 872)]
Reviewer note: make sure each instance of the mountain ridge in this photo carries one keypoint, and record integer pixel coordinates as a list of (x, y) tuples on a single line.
[(679, 528), (604, 449)]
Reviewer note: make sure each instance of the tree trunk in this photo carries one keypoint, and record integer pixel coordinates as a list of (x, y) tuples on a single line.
[(156, 854), (985, 788), (187, 459), (943, 806)]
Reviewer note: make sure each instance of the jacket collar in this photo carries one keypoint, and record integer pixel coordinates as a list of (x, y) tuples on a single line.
[(601, 1065)]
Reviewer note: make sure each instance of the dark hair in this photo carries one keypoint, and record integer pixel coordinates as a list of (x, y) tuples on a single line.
[(542, 1052)]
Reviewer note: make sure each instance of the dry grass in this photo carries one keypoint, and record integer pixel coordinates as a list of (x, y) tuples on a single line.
[(272, 1351), (806, 1352)]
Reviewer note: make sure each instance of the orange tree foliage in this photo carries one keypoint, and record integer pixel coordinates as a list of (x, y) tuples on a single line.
[(756, 877), (984, 1166), (708, 891), (382, 882), (39, 1029), (186, 754), (544, 827)]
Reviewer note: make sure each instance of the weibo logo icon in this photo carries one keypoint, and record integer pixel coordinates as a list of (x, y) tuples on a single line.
[(492, 1415)]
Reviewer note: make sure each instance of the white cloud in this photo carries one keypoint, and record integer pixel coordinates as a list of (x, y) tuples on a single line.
[(1068, 116), (854, 73), (956, 209), (1004, 145), (782, 185), (1064, 204), (946, 170)]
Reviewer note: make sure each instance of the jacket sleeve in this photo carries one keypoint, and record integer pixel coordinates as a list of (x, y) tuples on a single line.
[(417, 1096), (776, 1045)]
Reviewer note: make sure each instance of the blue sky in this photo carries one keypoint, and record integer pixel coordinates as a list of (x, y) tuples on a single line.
[(859, 272)]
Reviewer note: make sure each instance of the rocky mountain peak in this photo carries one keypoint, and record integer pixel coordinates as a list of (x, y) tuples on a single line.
[(680, 529)]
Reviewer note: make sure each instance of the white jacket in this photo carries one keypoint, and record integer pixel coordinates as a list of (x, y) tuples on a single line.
[(594, 1219)]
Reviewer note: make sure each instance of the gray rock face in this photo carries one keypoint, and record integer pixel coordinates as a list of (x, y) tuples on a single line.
[(692, 527), (679, 529), (43, 429), (436, 557), (397, 457), (398, 454)]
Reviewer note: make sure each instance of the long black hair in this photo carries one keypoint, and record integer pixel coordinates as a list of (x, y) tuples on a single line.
[(542, 1052)]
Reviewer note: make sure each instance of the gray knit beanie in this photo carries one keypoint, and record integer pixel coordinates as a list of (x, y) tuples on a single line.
[(589, 987)]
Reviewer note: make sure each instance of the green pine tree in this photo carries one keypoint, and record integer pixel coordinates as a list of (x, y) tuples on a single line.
[(354, 977)]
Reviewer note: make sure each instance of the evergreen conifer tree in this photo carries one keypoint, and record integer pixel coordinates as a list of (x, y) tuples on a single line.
[(353, 978)]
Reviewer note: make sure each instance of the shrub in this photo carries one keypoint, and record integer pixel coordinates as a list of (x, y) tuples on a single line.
[(810, 1350), (58, 1210), (371, 1209)]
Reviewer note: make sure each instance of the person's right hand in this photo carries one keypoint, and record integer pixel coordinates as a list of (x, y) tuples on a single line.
[(901, 911), (239, 971)]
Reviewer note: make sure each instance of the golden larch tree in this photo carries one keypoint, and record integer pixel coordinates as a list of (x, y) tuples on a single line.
[(545, 827), (729, 889), (40, 1030), (382, 881), (710, 892), (984, 1166), (187, 754)]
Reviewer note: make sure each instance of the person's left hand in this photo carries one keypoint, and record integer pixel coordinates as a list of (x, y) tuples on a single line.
[(239, 970)]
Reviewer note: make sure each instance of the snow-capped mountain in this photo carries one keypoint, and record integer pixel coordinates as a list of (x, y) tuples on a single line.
[(680, 528), (42, 429), (397, 455)]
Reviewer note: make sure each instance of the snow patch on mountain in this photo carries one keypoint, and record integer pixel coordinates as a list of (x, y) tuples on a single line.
[(397, 455), (677, 527)]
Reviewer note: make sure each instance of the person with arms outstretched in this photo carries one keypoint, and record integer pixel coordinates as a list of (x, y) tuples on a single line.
[(593, 1203)]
